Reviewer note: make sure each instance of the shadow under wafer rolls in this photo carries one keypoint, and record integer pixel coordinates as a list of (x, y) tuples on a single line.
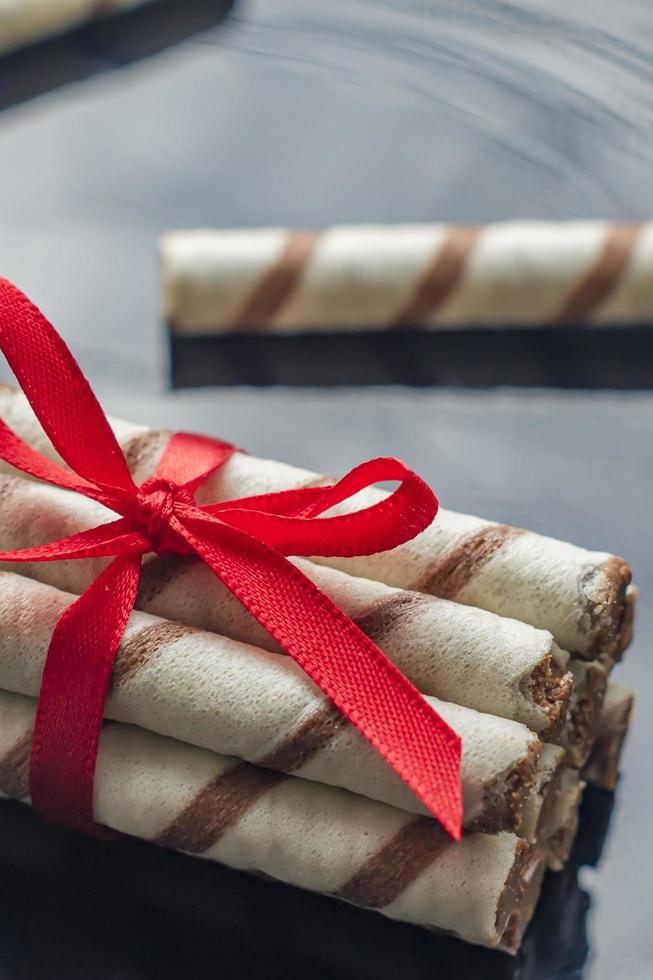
[(457, 653), (239, 700), (321, 838), (580, 596)]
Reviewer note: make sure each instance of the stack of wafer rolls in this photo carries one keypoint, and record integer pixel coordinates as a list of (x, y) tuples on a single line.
[(208, 691), (25, 21), (580, 596), (196, 670), (240, 700), (389, 277), (456, 653), (318, 837)]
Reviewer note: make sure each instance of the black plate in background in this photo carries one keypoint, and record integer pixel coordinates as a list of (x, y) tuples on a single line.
[(619, 357)]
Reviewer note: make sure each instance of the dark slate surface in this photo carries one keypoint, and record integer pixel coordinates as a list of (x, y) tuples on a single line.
[(305, 113), (618, 357)]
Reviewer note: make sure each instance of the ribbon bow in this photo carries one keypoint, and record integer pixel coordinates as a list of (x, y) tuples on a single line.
[(243, 542)]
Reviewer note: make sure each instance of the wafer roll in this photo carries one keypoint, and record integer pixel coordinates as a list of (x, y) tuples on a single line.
[(603, 765), (453, 652), (240, 700), (431, 276), (585, 708), (627, 620), (25, 21), (551, 813), (317, 837), (537, 822), (564, 819), (578, 595)]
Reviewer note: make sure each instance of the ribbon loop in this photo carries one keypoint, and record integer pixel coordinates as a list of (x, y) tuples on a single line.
[(243, 542), (59, 394)]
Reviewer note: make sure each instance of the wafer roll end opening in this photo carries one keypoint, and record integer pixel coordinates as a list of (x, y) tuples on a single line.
[(549, 687), (609, 612), (519, 898), (505, 797)]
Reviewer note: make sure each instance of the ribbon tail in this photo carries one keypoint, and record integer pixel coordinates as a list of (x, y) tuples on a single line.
[(18, 453), (25, 459), (73, 691), (115, 538), (354, 674)]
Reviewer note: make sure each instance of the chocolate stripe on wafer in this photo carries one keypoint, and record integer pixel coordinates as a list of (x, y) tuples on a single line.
[(14, 768), (218, 807), (157, 572), (145, 450), (139, 648), (309, 737), (383, 615), (397, 863), (439, 279), (456, 568), (601, 279), (277, 283)]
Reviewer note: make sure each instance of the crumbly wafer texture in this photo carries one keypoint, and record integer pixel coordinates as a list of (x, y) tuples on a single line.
[(577, 595), (564, 819), (585, 709), (25, 21), (536, 817), (237, 699), (603, 765), (317, 837), (362, 277), (456, 653)]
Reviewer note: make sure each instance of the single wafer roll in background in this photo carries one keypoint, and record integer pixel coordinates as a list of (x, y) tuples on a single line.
[(603, 765), (457, 653), (317, 837), (25, 21), (237, 699), (578, 595), (414, 275)]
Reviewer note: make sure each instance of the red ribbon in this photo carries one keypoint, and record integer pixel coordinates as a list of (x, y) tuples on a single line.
[(243, 542)]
